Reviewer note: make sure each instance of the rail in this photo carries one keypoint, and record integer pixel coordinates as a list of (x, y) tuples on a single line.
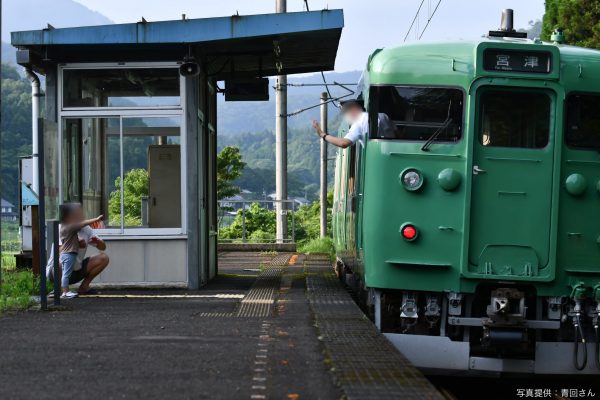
[(238, 219)]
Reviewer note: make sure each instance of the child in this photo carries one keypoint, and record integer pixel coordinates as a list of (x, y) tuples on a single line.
[(72, 221)]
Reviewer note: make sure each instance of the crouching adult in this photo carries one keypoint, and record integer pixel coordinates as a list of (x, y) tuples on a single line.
[(85, 269)]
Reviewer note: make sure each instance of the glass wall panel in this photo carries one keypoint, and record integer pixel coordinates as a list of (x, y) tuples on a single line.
[(91, 165), (124, 87), (152, 172)]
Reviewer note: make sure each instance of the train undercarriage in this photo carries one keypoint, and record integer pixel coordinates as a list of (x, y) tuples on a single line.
[(500, 329)]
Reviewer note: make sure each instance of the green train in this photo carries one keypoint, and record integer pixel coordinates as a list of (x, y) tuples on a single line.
[(473, 230)]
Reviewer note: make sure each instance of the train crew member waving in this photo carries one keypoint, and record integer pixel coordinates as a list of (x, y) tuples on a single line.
[(355, 115)]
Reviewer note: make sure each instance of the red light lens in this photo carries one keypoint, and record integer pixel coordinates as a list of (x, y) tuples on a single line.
[(409, 232)]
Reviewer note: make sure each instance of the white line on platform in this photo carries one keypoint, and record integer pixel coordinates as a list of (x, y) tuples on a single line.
[(165, 296)]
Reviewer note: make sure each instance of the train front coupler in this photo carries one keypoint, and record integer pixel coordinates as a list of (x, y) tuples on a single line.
[(506, 322)]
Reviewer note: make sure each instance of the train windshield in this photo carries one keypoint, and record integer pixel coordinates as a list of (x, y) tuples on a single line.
[(583, 121), (417, 113)]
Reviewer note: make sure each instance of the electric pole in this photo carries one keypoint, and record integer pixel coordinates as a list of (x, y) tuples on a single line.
[(281, 147)]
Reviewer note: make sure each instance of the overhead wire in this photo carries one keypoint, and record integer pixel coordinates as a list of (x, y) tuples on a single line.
[(328, 92), (414, 20), (429, 19), (316, 105)]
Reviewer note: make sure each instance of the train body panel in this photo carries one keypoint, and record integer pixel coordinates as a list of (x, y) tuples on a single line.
[(480, 217)]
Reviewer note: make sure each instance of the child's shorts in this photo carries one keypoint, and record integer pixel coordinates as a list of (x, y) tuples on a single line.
[(67, 261)]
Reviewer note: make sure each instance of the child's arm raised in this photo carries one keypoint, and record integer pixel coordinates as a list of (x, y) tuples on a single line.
[(89, 221)]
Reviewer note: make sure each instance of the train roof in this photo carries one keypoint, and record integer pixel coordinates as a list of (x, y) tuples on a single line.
[(459, 62)]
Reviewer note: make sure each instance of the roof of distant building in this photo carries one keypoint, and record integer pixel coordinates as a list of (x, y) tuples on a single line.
[(6, 203)]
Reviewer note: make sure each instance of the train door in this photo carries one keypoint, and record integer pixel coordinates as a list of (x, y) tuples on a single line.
[(354, 206), (511, 197), (340, 216), (351, 200)]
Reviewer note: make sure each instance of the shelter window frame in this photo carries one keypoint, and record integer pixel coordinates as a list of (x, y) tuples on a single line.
[(128, 113), (118, 66)]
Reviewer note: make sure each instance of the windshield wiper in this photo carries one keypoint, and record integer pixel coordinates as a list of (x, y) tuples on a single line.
[(435, 134)]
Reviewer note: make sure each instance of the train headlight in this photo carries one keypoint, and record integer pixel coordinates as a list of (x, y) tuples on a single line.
[(411, 179), (409, 232)]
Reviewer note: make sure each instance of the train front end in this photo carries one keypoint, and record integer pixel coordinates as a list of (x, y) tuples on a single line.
[(476, 221)]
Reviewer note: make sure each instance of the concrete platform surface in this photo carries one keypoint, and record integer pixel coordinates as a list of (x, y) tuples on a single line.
[(249, 334)]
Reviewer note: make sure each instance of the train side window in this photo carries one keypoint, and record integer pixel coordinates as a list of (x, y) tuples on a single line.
[(352, 170), (416, 113), (514, 119), (583, 121)]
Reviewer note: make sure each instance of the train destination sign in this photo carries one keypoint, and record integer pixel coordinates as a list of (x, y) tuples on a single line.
[(517, 61)]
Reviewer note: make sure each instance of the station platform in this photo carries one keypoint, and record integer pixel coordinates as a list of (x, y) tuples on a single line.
[(270, 326)]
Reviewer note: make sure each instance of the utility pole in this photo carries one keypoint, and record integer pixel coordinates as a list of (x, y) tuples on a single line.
[(323, 194), (281, 147)]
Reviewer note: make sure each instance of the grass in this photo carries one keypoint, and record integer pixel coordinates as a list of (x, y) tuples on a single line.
[(10, 245), (8, 261), (16, 286), (319, 245), (10, 231), (16, 289)]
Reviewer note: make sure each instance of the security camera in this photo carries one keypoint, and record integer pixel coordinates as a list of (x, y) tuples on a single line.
[(189, 68)]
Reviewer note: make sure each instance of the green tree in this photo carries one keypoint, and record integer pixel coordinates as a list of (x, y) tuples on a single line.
[(258, 222), (135, 187), (260, 226), (308, 220), (15, 129), (579, 20), (229, 168)]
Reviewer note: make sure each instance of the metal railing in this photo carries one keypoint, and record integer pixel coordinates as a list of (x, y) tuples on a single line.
[(229, 210)]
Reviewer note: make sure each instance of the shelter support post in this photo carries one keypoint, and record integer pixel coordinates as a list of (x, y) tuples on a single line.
[(42, 215)]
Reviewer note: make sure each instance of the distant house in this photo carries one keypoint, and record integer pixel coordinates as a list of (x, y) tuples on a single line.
[(9, 211), (300, 201), (234, 202)]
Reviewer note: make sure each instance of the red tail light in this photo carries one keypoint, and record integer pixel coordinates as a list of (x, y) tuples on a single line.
[(409, 232)]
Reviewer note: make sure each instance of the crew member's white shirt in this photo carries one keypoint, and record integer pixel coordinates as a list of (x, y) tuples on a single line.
[(359, 129)]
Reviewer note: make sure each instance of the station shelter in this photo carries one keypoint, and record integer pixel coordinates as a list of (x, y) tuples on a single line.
[(130, 125)]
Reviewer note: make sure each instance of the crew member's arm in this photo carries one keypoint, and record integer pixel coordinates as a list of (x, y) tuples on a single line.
[(334, 140)]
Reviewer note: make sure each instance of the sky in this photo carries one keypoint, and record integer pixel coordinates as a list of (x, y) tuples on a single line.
[(369, 24)]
